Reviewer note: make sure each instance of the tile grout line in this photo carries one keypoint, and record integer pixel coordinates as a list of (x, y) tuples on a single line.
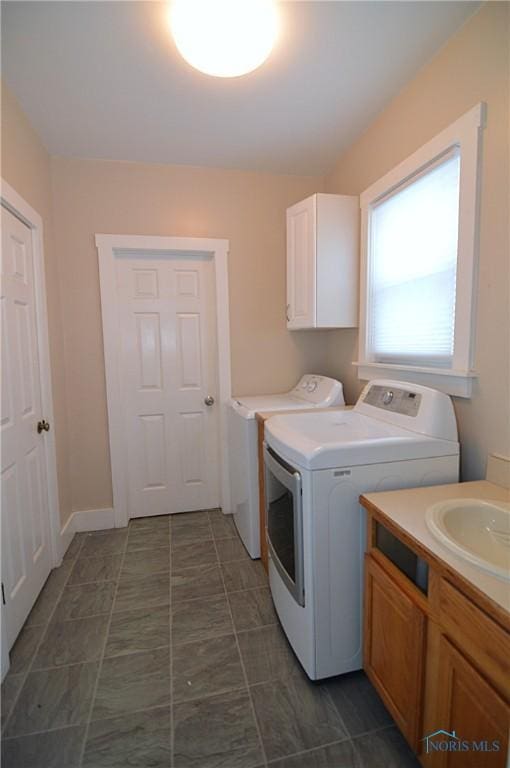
[(352, 738), (81, 725), (378, 729), (246, 589), (209, 637), (172, 720), (308, 751), (114, 554), (252, 705), (256, 629), (43, 635), (101, 660), (92, 661), (216, 694), (330, 698)]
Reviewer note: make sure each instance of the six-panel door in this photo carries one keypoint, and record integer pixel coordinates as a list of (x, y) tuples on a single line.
[(26, 557), (168, 365)]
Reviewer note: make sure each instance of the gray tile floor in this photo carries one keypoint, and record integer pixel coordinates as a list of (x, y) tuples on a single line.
[(159, 646)]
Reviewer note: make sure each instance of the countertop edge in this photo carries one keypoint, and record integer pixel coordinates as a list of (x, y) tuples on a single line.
[(477, 595)]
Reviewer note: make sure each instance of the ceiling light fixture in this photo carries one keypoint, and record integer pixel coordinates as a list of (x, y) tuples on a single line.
[(224, 38)]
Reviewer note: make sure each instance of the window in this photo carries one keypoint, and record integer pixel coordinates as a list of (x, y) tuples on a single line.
[(418, 264), (414, 231)]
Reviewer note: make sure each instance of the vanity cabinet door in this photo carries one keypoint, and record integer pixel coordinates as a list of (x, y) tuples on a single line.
[(467, 705), (394, 649)]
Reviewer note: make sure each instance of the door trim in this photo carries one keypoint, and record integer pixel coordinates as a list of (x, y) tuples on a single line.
[(14, 203), (108, 246)]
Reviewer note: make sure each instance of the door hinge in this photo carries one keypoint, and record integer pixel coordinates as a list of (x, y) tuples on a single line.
[(3, 594)]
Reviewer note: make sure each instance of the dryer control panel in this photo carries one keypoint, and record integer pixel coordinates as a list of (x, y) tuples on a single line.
[(411, 406), (393, 399)]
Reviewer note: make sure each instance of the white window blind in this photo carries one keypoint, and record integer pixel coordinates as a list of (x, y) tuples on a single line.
[(413, 266)]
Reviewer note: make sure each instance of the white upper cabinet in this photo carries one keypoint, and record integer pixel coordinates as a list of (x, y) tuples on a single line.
[(322, 262)]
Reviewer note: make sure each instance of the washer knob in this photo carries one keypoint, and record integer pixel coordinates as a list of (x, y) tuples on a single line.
[(388, 397)]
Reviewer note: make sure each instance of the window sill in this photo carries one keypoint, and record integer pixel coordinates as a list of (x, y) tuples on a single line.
[(452, 382)]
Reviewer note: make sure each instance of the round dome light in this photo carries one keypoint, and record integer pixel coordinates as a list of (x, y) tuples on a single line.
[(224, 38)]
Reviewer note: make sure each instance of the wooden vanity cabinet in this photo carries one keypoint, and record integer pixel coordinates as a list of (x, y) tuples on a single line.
[(465, 703), (439, 657), (394, 648)]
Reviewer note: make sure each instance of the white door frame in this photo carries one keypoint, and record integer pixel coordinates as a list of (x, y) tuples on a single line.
[(108, 246), (22, 210)]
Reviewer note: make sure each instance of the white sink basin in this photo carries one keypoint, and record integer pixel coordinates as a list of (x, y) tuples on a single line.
[(478, 531)]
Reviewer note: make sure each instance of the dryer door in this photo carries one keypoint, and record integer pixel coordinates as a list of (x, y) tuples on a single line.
[(284, 515)]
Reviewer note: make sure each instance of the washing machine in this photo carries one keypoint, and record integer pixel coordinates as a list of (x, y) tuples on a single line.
[(397, 435), (311, 391)]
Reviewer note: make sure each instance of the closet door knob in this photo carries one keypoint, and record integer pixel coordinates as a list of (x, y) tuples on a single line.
[(209, 400)]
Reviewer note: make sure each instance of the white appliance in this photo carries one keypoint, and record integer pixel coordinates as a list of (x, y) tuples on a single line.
[(398, 435), (311, 391)]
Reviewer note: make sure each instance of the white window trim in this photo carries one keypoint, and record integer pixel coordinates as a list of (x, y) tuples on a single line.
[(464, 133)]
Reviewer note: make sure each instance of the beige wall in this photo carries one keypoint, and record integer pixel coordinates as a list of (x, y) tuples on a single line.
[(473, 66), (131, 198), (248, 209), (26, 167)]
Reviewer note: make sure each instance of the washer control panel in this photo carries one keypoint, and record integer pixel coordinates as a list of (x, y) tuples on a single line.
[(319, 390), (393, 399), (308, 384)]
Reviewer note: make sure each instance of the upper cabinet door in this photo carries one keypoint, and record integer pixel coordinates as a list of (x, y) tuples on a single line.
[(322, 262), (301, 272)]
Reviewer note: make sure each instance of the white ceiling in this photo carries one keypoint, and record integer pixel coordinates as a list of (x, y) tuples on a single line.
[(104, 80)]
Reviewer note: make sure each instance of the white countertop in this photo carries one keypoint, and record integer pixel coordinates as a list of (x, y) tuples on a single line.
[(406, 508)]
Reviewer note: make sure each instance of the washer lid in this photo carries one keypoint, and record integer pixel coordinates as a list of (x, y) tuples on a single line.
[(249, 406), (345, 439)]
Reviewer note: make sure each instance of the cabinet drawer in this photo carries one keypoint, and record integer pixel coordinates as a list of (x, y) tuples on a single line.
[(477, 634)]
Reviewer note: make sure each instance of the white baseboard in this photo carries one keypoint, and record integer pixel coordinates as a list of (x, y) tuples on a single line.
[(94, 519), (85, 520), (66, 535)]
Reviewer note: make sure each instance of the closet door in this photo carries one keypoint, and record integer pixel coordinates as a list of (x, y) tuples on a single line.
[(26, 557), (169, 370)]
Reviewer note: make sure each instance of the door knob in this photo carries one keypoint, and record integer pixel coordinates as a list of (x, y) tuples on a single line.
[(209, 400), (43, 426)]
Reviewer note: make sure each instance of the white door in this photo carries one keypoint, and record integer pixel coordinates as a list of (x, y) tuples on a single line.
[(26, 556), (301, 259), (168, 370)]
